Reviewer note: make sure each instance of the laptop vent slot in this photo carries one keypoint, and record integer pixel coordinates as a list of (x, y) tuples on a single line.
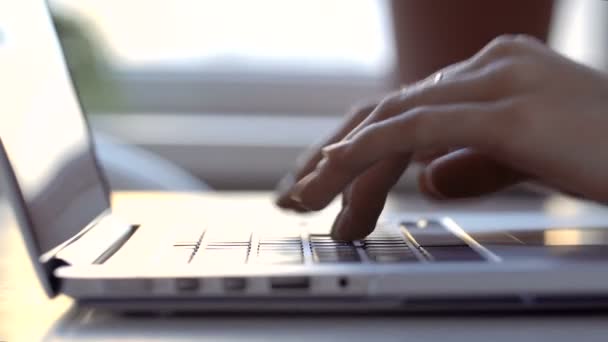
[(290, 283)]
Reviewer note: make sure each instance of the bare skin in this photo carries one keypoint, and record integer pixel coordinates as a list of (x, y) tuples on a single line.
[(514, 111)]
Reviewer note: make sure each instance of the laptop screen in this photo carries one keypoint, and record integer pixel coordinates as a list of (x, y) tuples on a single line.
[(45, 134)]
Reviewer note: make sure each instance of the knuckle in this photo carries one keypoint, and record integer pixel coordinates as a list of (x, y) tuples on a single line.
[(517, 112), (335, 162), (510, 118), (501, 46), (528, 40), (457, 68), (420, 120), (369, 135), (419, 115), (361, 110), (504, 39), (405, 101), (515, 73), (388, 107), (509, 45), (390, 102)]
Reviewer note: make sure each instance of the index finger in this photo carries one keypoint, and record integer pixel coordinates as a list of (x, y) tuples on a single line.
[(310, 159), (439, 126)]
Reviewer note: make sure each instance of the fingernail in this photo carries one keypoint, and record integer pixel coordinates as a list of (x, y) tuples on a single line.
[(321, 163), (329, 149), (296, 191)]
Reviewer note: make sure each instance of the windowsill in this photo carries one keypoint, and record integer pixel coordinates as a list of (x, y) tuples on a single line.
[(224, 91)]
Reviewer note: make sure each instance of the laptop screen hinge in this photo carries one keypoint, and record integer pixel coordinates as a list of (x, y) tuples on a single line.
[(50, 266)]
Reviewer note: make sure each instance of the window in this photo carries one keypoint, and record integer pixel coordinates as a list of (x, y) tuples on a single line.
[(229, 56), (222, 86)]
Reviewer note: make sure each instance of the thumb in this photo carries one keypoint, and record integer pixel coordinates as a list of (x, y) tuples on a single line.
[(466, 173)]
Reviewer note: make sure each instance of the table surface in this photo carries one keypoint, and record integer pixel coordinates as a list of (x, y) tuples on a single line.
[(27, 315)]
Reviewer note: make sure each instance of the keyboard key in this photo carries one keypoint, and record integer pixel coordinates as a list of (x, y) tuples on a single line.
[(279, 251), (338, 251), (334, 258), (279, 254), (398, 244), (227, 244), (185, 244), (383, 240), (390, 249), (330, 243), (280, 248), (393, 257), (223, 247), (336, 255), (326, 238), (327, 250), (226, 248), (186, 237), (387, 250), (280, 242), (335, 251), (332, 247), (277, 248)]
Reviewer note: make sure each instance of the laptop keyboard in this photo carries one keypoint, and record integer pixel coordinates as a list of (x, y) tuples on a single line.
[(324, 249), (388, 247), (419, 241), (281, 249)]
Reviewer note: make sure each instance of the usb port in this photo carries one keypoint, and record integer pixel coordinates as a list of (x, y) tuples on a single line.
[(187, 285), (235, 284), (290, 283)]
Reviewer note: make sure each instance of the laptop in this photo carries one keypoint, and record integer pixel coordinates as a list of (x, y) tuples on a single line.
[(77, 243)]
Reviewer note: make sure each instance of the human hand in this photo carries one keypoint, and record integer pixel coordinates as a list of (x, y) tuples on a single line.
[(514, 111)]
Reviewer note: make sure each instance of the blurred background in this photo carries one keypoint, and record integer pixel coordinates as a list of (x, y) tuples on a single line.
[(230, 92)]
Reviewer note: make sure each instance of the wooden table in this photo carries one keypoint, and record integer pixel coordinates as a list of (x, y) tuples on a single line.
[(27, 315)]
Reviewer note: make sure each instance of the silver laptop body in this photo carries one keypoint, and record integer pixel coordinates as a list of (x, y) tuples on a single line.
[(81, 249)]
